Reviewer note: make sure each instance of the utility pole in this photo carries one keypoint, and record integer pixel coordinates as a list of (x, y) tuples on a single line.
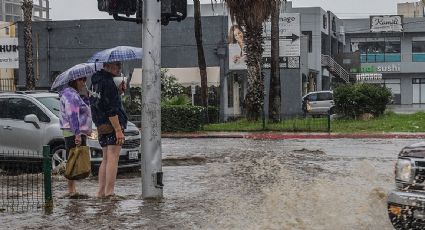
[(152, 186)]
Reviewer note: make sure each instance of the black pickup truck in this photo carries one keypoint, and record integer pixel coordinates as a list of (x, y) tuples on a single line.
[(406, 203)]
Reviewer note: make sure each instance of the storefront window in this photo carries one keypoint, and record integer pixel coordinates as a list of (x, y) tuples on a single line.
[(377, 49), (418, 51), (418, 90)]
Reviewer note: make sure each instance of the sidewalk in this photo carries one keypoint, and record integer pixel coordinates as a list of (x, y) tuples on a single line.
[(285, 135)]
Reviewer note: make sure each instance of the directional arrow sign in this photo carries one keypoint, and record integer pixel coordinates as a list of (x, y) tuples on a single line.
[(292, 37), (289, 27)]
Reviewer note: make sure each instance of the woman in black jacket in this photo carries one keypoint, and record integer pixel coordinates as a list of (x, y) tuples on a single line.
[(110, 120)]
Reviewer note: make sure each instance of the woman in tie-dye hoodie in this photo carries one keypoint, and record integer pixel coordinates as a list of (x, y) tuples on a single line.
[(75, 118)]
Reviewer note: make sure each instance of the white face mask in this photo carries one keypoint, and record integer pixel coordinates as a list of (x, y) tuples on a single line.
[(119, 81)]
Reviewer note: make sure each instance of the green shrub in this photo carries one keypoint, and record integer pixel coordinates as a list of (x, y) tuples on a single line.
[(353, 100), (176, 100), (169, 85), (181, 118)]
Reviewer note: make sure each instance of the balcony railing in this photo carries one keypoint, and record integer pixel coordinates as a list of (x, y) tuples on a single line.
[(335, 68)]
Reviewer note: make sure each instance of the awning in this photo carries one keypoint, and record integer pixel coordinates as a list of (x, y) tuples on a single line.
[(369, 78), (185, 76)]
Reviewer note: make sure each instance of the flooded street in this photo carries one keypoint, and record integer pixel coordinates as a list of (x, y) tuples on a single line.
[(240, 184)]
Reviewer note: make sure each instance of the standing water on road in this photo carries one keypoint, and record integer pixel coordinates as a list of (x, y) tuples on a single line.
[(240, 184)]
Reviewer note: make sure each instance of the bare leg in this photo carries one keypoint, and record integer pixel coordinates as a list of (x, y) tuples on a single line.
[(71, 187), (102, 173), (112, 168)]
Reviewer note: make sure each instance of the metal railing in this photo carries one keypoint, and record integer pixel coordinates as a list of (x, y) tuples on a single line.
[(335, 68), (300, 123), (25, 181), (7, 84)]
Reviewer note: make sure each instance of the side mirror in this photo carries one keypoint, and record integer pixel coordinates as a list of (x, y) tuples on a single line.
[(32, 118)]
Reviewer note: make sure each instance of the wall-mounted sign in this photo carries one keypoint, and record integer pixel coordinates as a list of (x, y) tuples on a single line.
[(369, 78), (377, 69), (386, 23), (289, 42), (9, 58), (284, 62), (289, 36)]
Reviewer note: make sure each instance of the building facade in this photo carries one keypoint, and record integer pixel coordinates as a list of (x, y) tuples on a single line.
[(396, 56), (11, 10), (61, 44), (411, 9)]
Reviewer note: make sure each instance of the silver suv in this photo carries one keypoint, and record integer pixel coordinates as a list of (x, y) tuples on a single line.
[(29, 120), (318, 103)]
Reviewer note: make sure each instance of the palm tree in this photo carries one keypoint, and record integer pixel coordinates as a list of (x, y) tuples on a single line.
[(274, 98), (251, 14), (201, 57), (27, 11)]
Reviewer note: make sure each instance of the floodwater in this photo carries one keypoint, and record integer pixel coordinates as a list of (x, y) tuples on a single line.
[(240, 184)]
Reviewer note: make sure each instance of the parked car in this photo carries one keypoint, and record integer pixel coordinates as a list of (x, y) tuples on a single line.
[(406, 203), (318, 103), (29, 120)]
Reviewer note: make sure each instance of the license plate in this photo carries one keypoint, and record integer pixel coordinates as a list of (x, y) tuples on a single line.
[(133, 155)]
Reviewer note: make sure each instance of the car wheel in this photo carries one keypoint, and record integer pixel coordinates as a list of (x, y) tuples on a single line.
[(58, 155)]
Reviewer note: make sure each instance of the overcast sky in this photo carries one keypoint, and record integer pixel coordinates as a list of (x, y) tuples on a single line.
[(87, 9)]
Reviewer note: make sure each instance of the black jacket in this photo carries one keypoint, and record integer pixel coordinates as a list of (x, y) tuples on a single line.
[(105, 100)]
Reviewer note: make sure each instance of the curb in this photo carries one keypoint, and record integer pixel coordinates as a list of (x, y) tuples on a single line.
[(281, 136)]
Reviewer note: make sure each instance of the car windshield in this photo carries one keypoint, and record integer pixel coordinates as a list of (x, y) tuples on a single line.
[(52, 103)]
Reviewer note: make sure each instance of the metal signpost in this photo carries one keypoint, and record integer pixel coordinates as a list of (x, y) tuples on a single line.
[(193, 89)]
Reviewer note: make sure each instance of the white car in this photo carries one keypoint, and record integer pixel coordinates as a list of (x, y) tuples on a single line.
[(29, 120), (318, 102)]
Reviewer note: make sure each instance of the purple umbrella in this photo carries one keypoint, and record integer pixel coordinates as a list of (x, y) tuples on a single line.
[(76, 72)]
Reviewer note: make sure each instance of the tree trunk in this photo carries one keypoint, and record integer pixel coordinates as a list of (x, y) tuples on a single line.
[(254, 99), (201, 57), (274, 96), (27, 11)]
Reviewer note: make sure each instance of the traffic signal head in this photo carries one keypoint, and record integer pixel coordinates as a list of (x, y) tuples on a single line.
[(127, 7), (173, 10)]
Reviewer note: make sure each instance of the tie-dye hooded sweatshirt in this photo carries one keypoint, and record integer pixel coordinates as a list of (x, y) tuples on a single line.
[(75, 115)]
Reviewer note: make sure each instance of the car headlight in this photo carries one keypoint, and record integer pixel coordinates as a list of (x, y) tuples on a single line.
[(403, 170), (93, 135)]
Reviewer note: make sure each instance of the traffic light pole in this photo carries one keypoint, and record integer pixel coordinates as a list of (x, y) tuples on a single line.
[(152, 186)]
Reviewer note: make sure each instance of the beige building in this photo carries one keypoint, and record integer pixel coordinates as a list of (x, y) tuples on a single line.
[(411, 9)]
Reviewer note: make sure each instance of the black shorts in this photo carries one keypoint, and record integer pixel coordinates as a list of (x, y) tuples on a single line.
[(70, 142), (107, 139)]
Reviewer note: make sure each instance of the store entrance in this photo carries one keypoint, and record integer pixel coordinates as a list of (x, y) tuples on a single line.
[(418, 90)]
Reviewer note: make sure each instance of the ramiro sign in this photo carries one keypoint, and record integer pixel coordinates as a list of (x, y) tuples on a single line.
[(386, 23)]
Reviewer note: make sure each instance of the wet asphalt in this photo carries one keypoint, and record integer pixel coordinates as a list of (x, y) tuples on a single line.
[(235, 183)]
